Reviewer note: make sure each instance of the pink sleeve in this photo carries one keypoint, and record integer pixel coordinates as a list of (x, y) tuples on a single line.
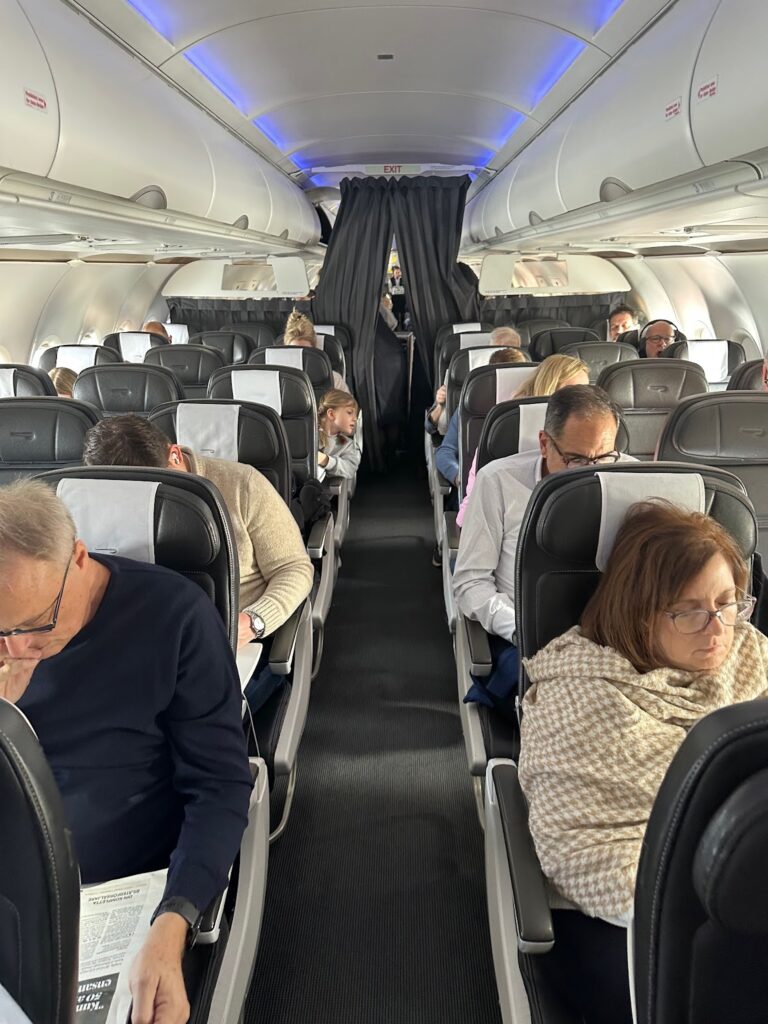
[(470, 485)]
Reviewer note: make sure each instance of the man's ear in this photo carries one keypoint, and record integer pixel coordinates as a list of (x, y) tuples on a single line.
[(175, 457), (80, 556), (543, 443)]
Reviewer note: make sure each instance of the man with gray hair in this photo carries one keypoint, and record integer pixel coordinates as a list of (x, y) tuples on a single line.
[(580, 428), (125, 672)]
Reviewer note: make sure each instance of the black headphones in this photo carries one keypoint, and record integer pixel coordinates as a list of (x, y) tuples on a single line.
[(679, 336)]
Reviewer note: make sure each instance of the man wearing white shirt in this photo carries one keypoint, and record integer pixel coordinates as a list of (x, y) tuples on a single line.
[(580, 430)]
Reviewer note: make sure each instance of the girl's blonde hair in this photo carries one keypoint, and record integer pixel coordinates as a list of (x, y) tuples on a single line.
[(551, 375), (299, 327), (63, 380), (333, 399)]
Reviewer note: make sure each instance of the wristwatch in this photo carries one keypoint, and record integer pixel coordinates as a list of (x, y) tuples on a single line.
[(258, 626), (187, 910)]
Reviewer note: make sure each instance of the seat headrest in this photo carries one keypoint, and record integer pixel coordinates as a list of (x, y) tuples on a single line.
[(22, 381), (600, 354), (43, 431), (7, 382), (134, 345), (262, 388), (208, 428), (554, 339), (652, 383), (127, 387), (296, 398), (712, 357), (325, 329), (127, 528), (509, 379), (178, 333), (476, 340), (729, 864), (233, 345), (473, 328), (191, 364), (620, 492), (76, 357), (511, 427), (747, 377), (727, 425)]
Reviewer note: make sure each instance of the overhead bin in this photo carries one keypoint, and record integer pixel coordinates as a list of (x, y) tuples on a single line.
[(505, 274), (82, 110)]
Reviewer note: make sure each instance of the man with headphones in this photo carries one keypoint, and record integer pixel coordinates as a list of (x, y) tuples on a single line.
[(656, 337)]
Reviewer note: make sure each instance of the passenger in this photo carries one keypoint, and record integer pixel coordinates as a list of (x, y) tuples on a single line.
[(155, 327), (276, 574), (620, 320), (555, 372), (663, 642), (657, 336), (299, 330), (385, 310), (580, 429), (337, 418), (125, 672), (437, 416), (63, 380), (397, 287)]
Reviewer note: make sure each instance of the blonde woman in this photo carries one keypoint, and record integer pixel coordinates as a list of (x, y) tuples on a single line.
[(555, 372), (299, 330), (63, 380)]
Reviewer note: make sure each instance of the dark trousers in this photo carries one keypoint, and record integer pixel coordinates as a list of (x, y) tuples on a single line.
[(263, 682), (500, 688)]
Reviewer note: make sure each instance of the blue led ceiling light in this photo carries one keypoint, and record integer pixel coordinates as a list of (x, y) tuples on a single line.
[(150, 12), (201, 63)]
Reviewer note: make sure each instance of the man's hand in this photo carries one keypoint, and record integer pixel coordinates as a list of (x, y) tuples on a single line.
[(244, 631), (156, 981), (441, 395), (15, 676)]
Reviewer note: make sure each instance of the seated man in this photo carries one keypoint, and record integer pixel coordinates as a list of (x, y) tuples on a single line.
[(620, 320), (656, 337), (437, 416), (155, 327), (276, 573), (580, 429), (125, 672)]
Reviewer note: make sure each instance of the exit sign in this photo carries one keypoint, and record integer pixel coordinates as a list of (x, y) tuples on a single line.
[(393, 169)]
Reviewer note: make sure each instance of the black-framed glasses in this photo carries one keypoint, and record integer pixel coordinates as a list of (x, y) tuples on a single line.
[(606, 459), (697, 620), (49, 627)]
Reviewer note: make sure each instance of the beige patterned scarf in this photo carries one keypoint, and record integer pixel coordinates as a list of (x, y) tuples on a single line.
[(597, 739)]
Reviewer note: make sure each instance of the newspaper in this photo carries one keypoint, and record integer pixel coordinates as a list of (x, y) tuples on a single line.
[(114, 921)]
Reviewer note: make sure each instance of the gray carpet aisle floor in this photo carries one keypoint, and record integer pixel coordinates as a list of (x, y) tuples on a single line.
[(375, 908)]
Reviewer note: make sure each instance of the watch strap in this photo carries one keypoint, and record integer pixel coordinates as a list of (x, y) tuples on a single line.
[(184, 908)]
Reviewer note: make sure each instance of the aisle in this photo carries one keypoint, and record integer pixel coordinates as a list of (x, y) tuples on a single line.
[(375, 898)]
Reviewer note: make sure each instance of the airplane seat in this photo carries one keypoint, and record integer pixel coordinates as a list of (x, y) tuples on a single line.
[(77, 357), (178, 333), (552, 340), (234, 345), (255, 436), (455, 343), (289, 392), (37, 434), (132, 346), (646, 391), (462, 363), (127, 387), (311, 361), (718, 357), (192, 535), (17, 380), (192, 365), (39, 880), (599, 354), (528, 329), (446, 333), (701, 919), (630, 338), (747, 377), (259, 333), (557, 572), (727, 429), (327, 343)]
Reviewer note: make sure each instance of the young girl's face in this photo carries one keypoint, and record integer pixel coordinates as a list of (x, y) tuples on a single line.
[(342, 420)]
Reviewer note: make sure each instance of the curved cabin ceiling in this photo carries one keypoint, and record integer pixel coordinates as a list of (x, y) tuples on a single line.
[(467, 84)]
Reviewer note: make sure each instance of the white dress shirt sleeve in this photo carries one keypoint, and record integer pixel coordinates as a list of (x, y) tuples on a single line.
[(482, 536)]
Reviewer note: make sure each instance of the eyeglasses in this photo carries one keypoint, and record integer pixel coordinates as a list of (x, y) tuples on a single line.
[(697, 620), (606, 459), (52, 624), (661, 338)]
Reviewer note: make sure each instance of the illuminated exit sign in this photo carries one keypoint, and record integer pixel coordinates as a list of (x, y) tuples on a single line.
[(392, 169)]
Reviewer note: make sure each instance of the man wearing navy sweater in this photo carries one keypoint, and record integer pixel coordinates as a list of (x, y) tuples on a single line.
[(126, 674)]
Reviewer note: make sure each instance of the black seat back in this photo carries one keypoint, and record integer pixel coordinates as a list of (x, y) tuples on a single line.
[(298, 410), (192, 531), (260, 334), (74, 357), (192, 365), (507, 425), (125, 347), (261, 438), (327, 343), (311, 361), (728, 429), (747, 377), (646, 390), (463, 361), (21, 381), (551, 340), (127, 387), (528, 329), (696, 351), (448, 333), (558, 541), (600, 354), (235, 346), (701, 910), (41, 433), (39, 880)]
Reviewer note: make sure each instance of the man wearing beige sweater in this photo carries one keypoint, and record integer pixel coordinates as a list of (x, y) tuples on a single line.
[(276, 574)]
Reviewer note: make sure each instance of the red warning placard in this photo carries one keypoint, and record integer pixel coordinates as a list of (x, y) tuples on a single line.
[(707, 89), (674, 108), (35, 100)]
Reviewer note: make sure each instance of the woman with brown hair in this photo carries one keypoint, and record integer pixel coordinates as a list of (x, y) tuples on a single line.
[(664, 641), (299, 330)]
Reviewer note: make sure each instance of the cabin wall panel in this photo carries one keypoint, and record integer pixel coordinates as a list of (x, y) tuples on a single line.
[(24, 290), (750, 272)]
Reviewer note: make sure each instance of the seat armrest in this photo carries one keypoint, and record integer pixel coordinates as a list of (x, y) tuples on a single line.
[(452, 531), (317, 545), (443, 484), (334, 484), (533, 918), (479, 648), (210, 922), (284, 644)]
